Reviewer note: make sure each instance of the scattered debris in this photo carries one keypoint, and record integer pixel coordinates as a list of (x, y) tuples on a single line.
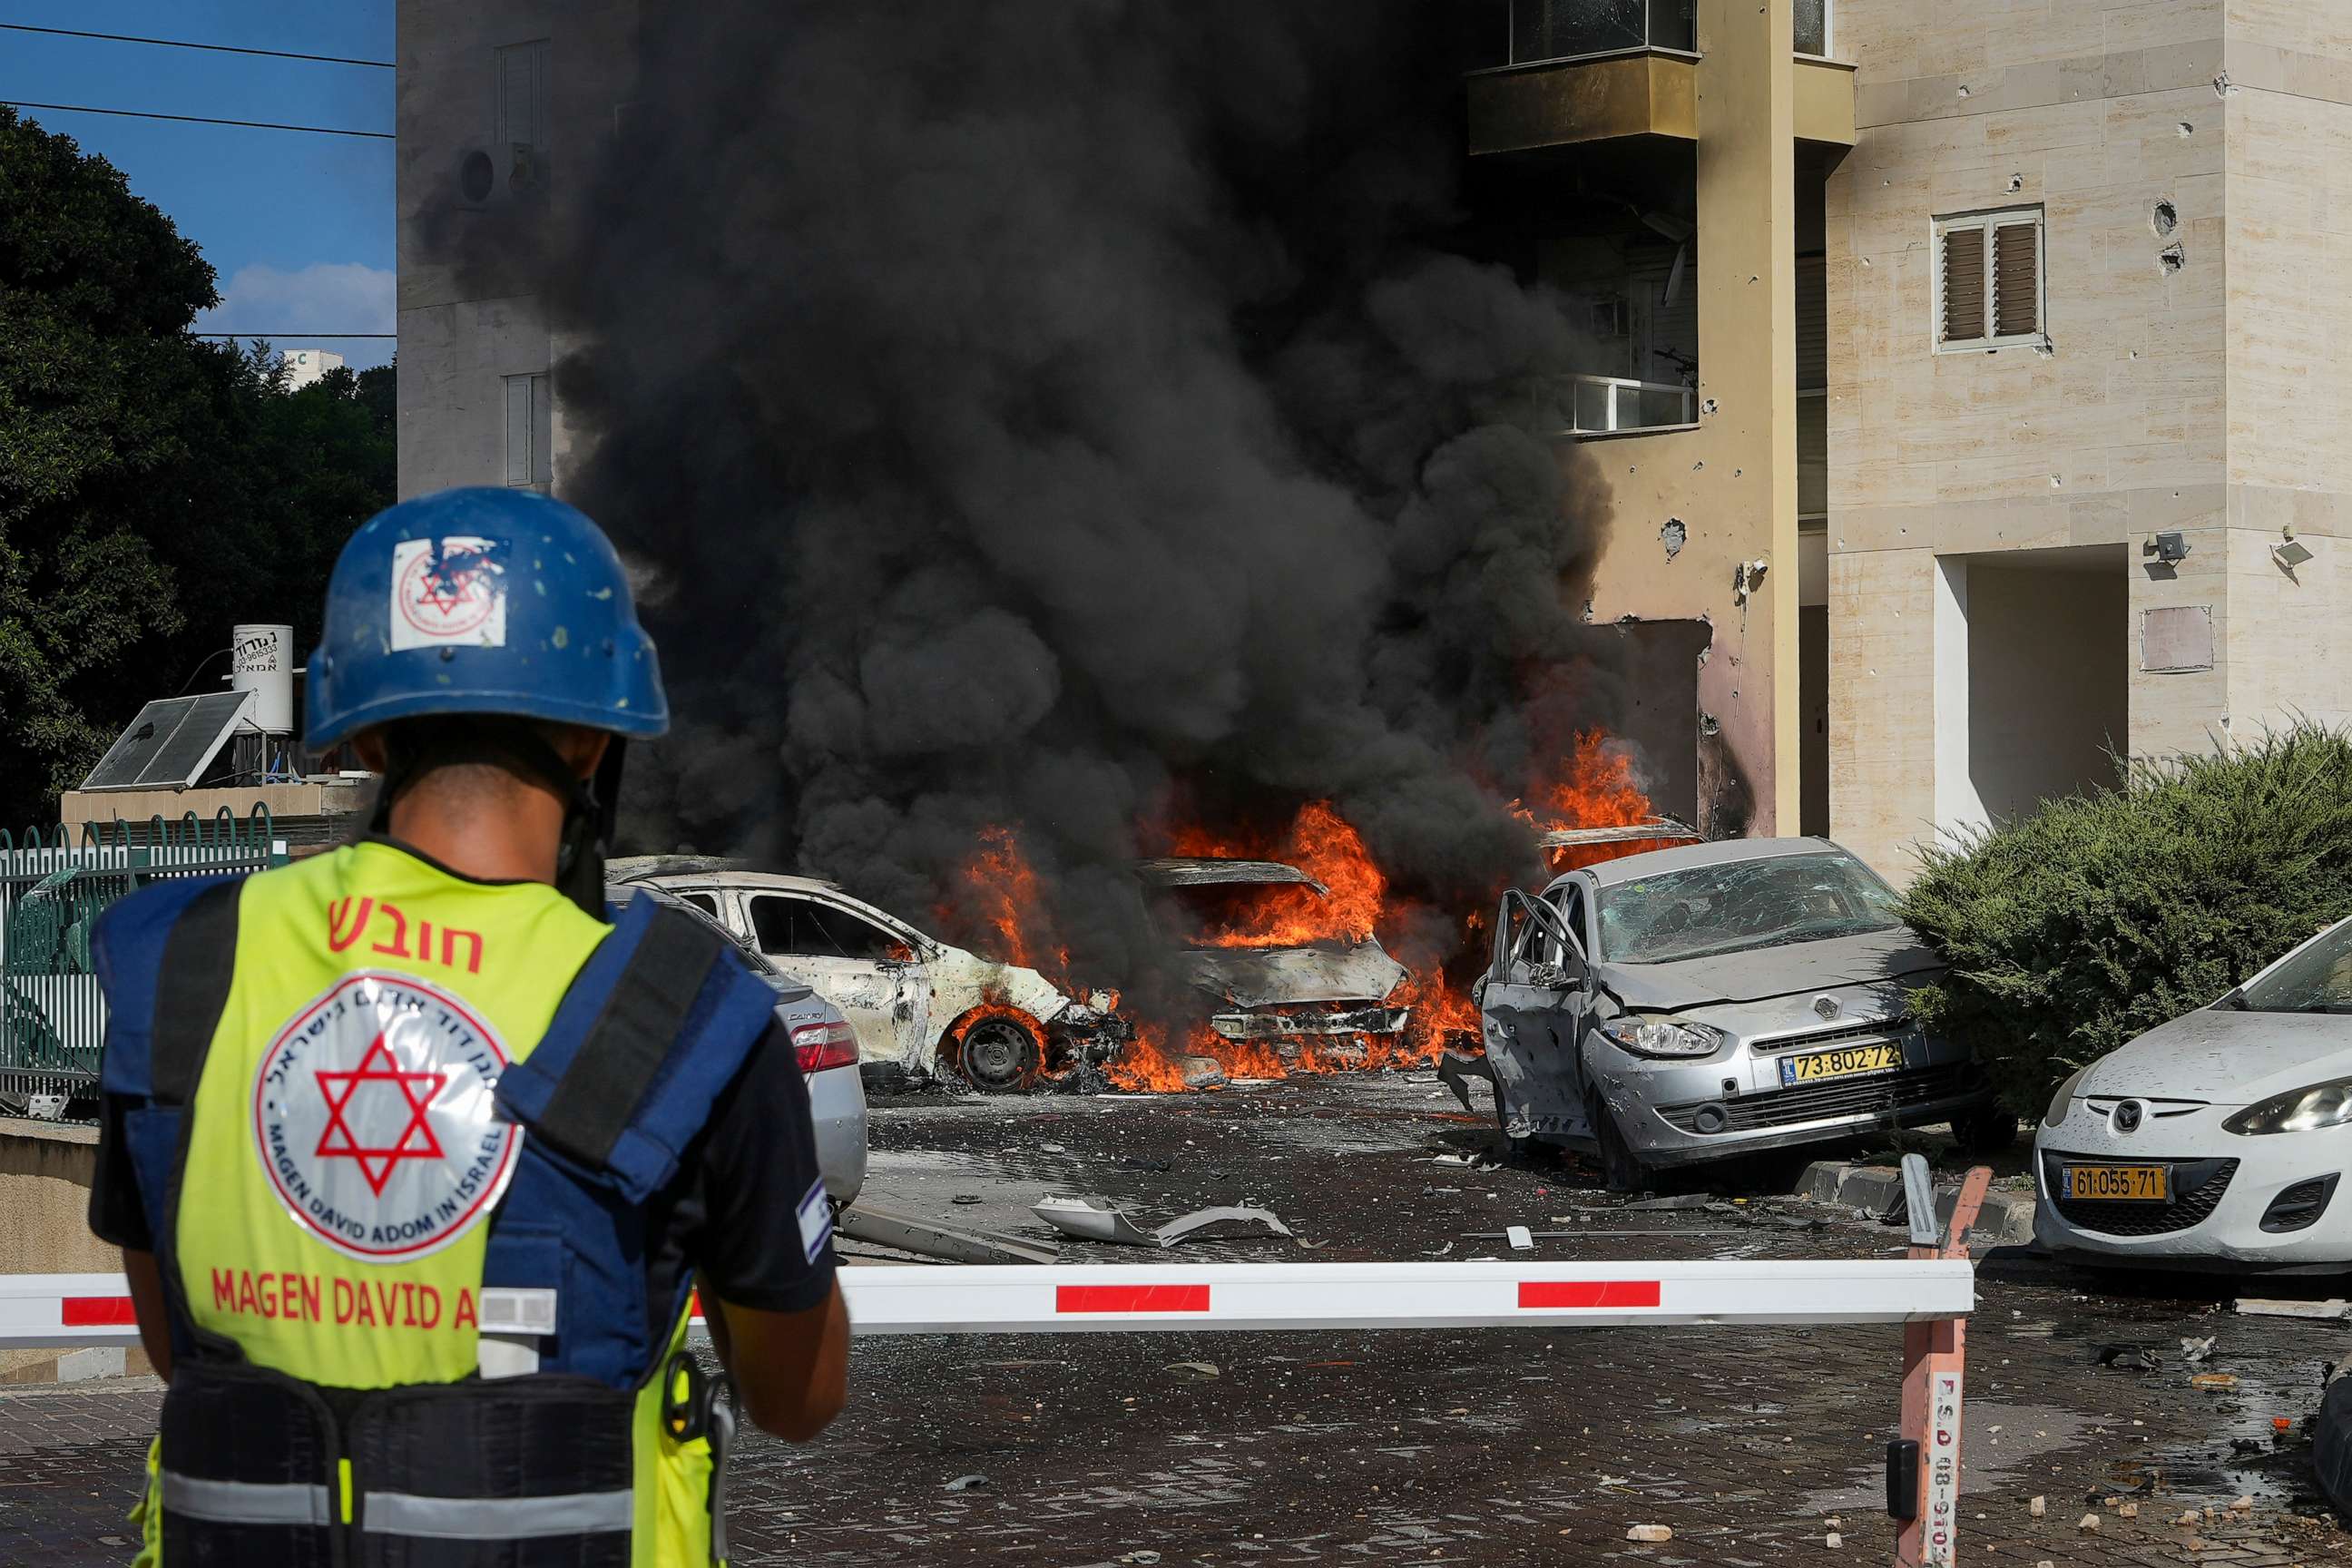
[(2128, 1358), (1200, 1371), (1520, 1239), (2188, 1519), (1677, 1201), (1834, 1541), (2127, 1510), (1099, 1219), (2242, 1505), (964, 1200), (863, 1222), (1456, 1072), (968, 1484), (2262, 1307), (2038, 1506), (2213, 1379), (1650, 1532), (2089, 1522), (2197, 1350), (1140, 1555)]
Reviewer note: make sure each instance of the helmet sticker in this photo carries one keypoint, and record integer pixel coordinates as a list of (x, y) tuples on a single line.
[(449, 592), (374, 1119)]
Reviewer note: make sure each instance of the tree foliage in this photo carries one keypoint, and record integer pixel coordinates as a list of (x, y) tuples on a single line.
[(2103, 915), (154, 488)]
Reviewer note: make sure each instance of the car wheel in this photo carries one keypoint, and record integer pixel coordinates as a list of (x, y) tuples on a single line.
[(1985, 1132), (1000, 1055), (1624, 1171)]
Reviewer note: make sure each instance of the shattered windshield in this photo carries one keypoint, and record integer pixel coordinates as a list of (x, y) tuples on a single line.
[(1742, 904), (2315, 978)]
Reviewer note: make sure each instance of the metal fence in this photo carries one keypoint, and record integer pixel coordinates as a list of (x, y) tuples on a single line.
[(52, 891)]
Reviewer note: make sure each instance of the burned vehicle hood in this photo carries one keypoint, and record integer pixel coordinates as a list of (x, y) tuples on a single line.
[(1759, 974), (1276, 976), (2223, 1056)]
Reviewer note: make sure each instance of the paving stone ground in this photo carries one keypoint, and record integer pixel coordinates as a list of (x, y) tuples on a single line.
[(1491, 1447)]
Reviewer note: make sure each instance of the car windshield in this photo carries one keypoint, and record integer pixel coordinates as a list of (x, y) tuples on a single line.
[(2315, 978), (1742, 904)]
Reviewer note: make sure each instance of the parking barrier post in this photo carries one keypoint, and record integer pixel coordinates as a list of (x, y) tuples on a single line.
[(1926, 1503)]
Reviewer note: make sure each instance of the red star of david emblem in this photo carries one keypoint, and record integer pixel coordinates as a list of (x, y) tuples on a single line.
[(415, 1141), (446, 584)]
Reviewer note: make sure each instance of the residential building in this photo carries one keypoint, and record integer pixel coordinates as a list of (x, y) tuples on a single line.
[(2090, 484), (304, 366)]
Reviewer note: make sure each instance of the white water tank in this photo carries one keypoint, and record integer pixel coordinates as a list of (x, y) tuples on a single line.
[(261, 660)]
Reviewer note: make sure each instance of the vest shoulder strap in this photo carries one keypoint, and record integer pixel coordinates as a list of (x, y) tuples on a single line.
[(164, 958), (652, 1030)]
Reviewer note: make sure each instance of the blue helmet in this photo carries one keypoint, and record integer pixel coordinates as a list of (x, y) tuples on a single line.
[(481, 601)]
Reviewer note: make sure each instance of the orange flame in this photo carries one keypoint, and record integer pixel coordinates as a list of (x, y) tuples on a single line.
[(1597, 790)]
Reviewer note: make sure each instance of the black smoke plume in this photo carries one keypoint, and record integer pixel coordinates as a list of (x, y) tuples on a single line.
[(1063, 412)]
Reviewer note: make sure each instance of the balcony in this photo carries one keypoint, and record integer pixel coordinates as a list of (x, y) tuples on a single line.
[(1614, 405), (1543, 32)]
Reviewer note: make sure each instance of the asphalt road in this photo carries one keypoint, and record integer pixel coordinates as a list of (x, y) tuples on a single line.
[(1501, 1446)]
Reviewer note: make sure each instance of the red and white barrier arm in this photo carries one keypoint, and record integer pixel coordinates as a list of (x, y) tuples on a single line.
[(70, 1309)]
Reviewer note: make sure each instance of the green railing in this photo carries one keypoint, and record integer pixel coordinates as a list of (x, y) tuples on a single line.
[(52, 891)]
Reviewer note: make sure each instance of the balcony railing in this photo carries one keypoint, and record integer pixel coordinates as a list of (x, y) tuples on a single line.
[(1812, 27), (1541, 31), (1605, 404)]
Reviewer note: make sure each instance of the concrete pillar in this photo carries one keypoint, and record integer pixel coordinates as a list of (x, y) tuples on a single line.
[(1958, 803)]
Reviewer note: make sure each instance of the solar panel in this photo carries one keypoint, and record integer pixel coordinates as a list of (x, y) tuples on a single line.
[(171, 742)]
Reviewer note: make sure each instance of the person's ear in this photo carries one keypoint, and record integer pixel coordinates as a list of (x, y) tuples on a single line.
[(371, 752), (581, 748)]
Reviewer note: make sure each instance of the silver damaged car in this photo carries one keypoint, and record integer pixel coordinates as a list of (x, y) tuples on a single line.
[(1717, 999)]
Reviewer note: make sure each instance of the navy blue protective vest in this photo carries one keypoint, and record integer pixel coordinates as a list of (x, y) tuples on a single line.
[(657, 1024)]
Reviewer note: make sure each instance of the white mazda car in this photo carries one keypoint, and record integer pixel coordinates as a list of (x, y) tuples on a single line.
[(2218, 1140)]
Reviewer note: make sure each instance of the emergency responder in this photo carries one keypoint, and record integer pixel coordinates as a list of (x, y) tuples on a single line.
[(413, 1158)]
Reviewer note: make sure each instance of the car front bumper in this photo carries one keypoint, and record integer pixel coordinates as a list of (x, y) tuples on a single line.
[(1676, 1113), (2222, 1188)]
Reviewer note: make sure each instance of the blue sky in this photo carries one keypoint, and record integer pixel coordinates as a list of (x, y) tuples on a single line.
[(299, 227)]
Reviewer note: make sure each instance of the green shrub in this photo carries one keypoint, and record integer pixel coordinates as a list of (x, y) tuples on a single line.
[(2103, 915)]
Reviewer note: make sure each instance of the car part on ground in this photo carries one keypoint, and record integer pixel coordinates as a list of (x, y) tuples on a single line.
[(1697, 1002), (919, 1004), (2216, 1141), (1100, 1219)]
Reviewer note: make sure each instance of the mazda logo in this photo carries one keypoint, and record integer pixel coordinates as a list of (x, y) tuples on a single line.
[(2127, 1116)]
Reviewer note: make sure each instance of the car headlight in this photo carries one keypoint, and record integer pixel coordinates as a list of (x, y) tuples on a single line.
[(2299, 1111), (2059, 1101), (1664, 1037)]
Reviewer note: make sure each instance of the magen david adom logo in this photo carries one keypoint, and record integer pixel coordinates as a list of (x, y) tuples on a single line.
[(374, 1118)]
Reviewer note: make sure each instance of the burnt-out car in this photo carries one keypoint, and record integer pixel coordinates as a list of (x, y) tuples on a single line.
[(1717, 999), (1256, 940)]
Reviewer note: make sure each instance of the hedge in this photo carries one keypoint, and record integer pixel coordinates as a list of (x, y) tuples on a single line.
[(2104, 914)]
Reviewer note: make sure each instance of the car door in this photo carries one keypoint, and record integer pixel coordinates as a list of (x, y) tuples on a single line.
[(859, 966), (1528, 1009)]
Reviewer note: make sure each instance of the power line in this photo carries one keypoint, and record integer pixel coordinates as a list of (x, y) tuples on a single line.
[(200, 119), (178, 44)]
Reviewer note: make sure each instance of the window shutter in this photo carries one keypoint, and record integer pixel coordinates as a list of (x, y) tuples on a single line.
[(1963, 261), (518, 429), (542, 433), (2016, 304)]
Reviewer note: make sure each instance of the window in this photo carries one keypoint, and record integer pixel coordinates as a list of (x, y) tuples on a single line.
[(703, 901), (1571, 900), (530, 429), (811, 930), (1988, 278), (521, 126)]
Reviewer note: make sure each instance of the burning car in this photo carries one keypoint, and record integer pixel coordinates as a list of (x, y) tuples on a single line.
[(1713, 999), (915, 1002), (1257, 937)]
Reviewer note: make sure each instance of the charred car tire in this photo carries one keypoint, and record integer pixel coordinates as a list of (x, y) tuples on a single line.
[(1985, 1132), (1624, 1171), (999, 1056)]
